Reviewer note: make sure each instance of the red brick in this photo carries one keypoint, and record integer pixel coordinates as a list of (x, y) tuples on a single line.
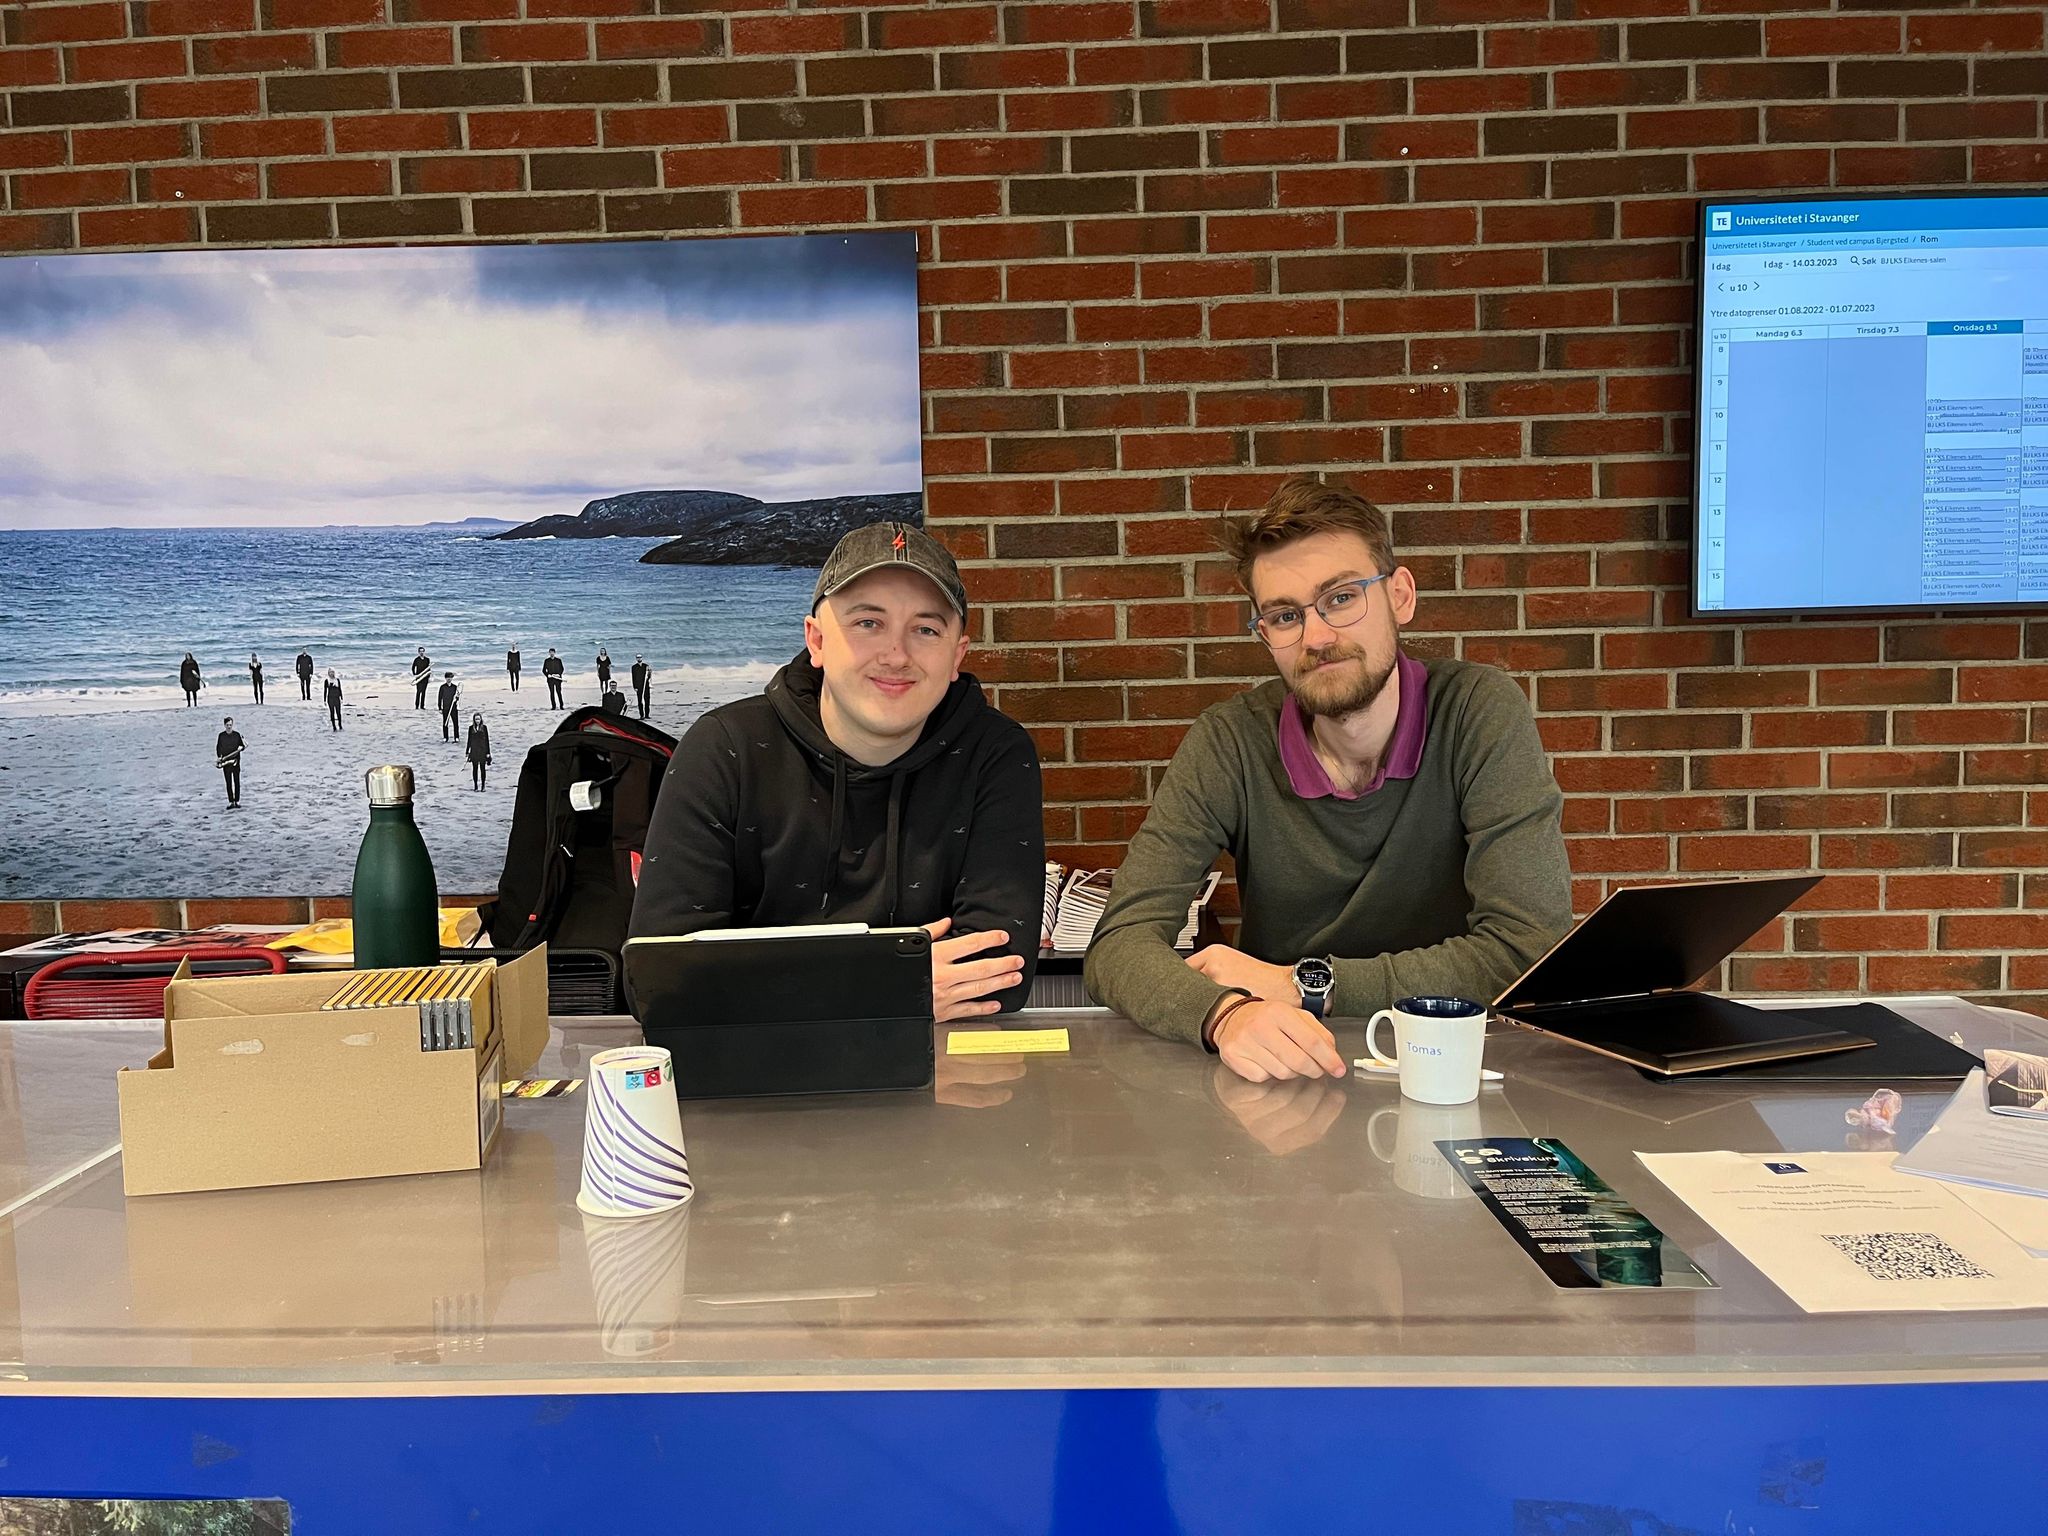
[(626, 127), (1761, 770), (1893, 770), (2019, 850), (396, 131), (1744, 851), (130, 144), (1944, 892), (138, 226), (1809, 644), (1982, 685), (183, 18), (330, 178), (1610, 774), (260, 54), (1823, 728), (2006, 930), (199, 98), (1618, 855), (528, 128), (155, 59), (1546, 47), (70, 189), (1785, 813), (1681, 813), (1667, 733), (1884, 685), (1886, 850), (732, 165), (464, 173), (2016, 31), (800, 35), (1932, 973), (30, 66), (672, 37), (201, 183), (1858, 934), (387, 47)]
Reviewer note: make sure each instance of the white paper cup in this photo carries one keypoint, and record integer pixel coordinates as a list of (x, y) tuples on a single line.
[(636, 1274), (633, 1162)]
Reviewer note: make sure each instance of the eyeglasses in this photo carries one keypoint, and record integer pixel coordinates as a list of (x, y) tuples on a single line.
[(1343, 605)]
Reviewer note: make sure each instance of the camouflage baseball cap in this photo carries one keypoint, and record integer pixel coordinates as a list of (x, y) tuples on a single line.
[(880, 545)]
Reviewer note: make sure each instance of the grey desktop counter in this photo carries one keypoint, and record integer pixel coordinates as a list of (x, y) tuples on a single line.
[(1125, 1222)]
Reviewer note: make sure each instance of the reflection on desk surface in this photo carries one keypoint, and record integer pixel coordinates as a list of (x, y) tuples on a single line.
[(1125, 1211)]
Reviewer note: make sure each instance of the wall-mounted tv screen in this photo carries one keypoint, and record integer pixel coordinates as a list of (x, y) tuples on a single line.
[(1871, 404)]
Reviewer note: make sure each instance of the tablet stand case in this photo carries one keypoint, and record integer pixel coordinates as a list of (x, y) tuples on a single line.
[(822, 1013)]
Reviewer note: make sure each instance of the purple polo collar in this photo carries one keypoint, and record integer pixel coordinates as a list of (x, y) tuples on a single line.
[(1305, 770)]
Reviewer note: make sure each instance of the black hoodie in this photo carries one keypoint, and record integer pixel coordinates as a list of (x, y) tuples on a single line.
[(763, 822)]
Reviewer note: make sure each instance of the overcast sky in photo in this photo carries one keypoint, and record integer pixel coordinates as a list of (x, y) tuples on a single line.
[(433, 383)]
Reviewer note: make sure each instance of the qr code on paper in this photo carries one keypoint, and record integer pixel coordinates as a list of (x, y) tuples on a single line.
[(1905, 1256)]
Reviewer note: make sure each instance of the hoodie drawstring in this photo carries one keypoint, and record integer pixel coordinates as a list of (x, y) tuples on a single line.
[(832, 852), (895, 831)]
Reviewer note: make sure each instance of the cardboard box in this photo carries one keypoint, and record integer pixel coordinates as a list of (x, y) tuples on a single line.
[(256, 1085)]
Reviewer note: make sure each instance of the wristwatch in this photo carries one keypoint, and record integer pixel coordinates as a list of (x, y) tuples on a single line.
[(1313, 979)]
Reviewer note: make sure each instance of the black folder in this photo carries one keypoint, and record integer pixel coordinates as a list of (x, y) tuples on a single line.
[(1619, 982), (837, 1010)]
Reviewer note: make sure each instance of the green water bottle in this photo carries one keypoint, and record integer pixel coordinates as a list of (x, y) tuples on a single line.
[(396, 908)]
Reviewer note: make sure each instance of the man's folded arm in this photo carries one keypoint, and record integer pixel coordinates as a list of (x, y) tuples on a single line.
[(686, 873), (1515, 869), (1002, 882), (1132, 965)]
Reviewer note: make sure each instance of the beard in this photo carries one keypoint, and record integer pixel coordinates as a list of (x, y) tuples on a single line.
[(1345, 694)]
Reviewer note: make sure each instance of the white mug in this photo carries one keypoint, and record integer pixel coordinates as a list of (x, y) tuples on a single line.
[(1437, 1045)]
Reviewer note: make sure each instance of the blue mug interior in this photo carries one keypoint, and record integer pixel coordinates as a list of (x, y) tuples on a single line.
[(1440, 1007)]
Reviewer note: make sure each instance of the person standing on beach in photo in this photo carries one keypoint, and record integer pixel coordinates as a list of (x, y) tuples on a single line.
[(422, 674), (227, 757), (478, 750), (331, 691), (256, 675), (643, 675), (450, 700), (611, 701), (551, 669), (188, 679), (304, 666), (604, 671), (512, 665)]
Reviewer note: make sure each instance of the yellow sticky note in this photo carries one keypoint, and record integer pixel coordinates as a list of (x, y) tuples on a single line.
[(1004, 1042)]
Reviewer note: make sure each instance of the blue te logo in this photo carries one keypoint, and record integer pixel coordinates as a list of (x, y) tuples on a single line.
[(1720, 221), (1784, 1167)]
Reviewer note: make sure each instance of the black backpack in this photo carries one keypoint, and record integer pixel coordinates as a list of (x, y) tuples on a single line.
[(570, 875)]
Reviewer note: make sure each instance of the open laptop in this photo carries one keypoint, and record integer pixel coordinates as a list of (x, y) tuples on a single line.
[(833, 1008), (1618, 982)]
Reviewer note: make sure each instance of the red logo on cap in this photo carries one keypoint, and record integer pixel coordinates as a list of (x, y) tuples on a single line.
[(897, 544)]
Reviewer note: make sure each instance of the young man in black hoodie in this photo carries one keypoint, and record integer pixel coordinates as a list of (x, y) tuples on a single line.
[(871, 782)]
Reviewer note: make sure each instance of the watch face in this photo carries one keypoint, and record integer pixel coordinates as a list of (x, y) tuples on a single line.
[(1314, 975)]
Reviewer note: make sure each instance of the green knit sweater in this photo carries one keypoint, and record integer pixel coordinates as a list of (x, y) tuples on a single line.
[(1452, 882)]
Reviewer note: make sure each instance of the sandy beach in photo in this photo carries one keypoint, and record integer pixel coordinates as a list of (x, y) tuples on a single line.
[(129, 798)]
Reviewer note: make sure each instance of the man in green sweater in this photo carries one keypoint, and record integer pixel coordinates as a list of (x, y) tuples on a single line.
[(1394, 822)]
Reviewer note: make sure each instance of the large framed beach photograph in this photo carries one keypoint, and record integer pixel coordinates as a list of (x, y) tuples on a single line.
[(308, 491)]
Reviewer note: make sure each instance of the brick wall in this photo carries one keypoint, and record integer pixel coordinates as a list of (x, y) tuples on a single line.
[(1174, 250)]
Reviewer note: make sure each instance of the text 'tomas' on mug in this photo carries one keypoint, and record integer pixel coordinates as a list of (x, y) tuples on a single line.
[(1438, 1042)]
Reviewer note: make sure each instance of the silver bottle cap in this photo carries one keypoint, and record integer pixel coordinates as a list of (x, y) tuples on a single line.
[(390, 784)]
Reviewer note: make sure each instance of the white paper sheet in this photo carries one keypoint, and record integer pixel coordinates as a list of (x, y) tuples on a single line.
[(1846, 1232), (1968, 1144)]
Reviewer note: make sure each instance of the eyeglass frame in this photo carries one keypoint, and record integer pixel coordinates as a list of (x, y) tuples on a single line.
[(1365, 584)]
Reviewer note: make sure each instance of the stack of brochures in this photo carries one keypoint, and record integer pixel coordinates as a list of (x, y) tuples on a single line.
[(1990, 1145), (1076, 906)]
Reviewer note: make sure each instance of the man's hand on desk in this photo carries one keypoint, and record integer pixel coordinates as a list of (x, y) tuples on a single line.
[(1229, 967), (1281, 1117), (1263, 1041), (961, 984)]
